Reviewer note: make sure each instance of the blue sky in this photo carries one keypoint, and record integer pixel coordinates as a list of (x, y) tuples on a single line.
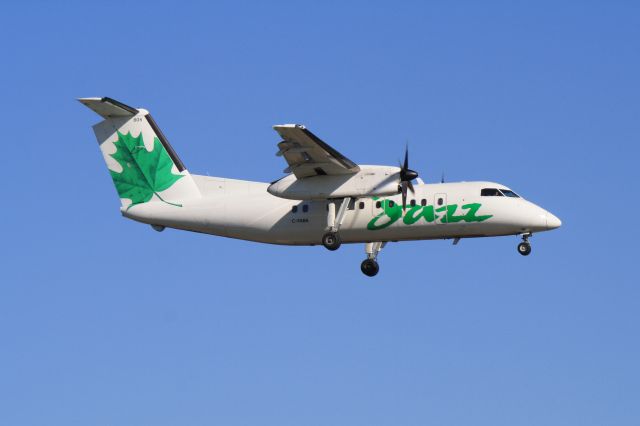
[(105, 322)]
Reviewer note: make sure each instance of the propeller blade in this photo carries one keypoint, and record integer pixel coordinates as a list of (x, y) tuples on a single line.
[(405, 167), (406, 176), (403, 186)]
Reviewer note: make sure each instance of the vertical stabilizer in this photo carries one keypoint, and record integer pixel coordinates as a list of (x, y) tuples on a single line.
[(143, 165)]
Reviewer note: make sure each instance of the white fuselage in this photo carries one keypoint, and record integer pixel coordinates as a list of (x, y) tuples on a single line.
[(246, 210)]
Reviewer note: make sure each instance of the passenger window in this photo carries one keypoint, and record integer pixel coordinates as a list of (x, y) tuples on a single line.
[(423, 202), (305, 208), (361, 205), (378, 204), (391, 203), (294, 209), (440, 201), (490, 192), (413, 203)]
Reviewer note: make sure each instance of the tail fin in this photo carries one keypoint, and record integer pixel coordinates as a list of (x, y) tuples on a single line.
[(143, 166)]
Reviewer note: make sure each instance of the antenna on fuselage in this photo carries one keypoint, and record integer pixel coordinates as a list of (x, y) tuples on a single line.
[(442, 178)]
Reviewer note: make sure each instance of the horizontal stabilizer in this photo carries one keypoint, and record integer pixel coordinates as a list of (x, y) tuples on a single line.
[(109, 108)]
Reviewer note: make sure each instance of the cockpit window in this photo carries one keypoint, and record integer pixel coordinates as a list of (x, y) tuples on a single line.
[(509, 193), (490, 192)]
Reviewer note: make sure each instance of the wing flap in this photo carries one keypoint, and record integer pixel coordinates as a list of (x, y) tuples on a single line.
[(308, 155)]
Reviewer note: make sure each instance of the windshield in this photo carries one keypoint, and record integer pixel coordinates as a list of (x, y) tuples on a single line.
[(509, 193), (495, 192), (490, 192)]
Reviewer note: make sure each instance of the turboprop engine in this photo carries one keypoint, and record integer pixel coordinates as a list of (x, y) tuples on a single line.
[(370, 181)]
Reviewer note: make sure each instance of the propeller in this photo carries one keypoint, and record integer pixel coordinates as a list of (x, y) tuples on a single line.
[(406, 176)]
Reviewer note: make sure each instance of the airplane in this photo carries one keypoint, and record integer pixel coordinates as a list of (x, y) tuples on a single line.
[(324, 197)]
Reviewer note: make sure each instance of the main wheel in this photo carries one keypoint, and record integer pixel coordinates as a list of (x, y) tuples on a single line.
[(331, 241), (369, 267), (524, 249)]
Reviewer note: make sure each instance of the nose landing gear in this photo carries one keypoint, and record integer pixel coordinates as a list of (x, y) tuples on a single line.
[(524, 248)]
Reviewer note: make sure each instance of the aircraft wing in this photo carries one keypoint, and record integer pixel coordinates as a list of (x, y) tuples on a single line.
[(307, 155)]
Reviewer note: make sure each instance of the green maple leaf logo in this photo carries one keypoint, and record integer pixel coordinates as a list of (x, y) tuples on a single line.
[(144, 173)]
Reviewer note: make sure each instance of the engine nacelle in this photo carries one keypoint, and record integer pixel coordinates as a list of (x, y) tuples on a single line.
[(370, 181)]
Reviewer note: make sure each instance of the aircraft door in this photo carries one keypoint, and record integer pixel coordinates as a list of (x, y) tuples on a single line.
[(440, 206)]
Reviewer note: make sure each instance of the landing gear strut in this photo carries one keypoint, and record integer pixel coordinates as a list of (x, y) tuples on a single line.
[(331, 240), (370, 266), (524, 248)]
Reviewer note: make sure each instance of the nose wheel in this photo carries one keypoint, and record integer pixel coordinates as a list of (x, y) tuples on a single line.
[(524, 248)]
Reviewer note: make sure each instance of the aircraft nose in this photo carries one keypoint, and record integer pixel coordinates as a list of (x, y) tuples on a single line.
[(552, 221)]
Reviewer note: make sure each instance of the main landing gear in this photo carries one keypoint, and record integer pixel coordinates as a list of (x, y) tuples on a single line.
[(524, 248), (370, 266), (331, 240)]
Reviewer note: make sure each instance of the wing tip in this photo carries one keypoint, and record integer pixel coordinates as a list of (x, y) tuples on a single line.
[(83, 100), (289, 126)]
